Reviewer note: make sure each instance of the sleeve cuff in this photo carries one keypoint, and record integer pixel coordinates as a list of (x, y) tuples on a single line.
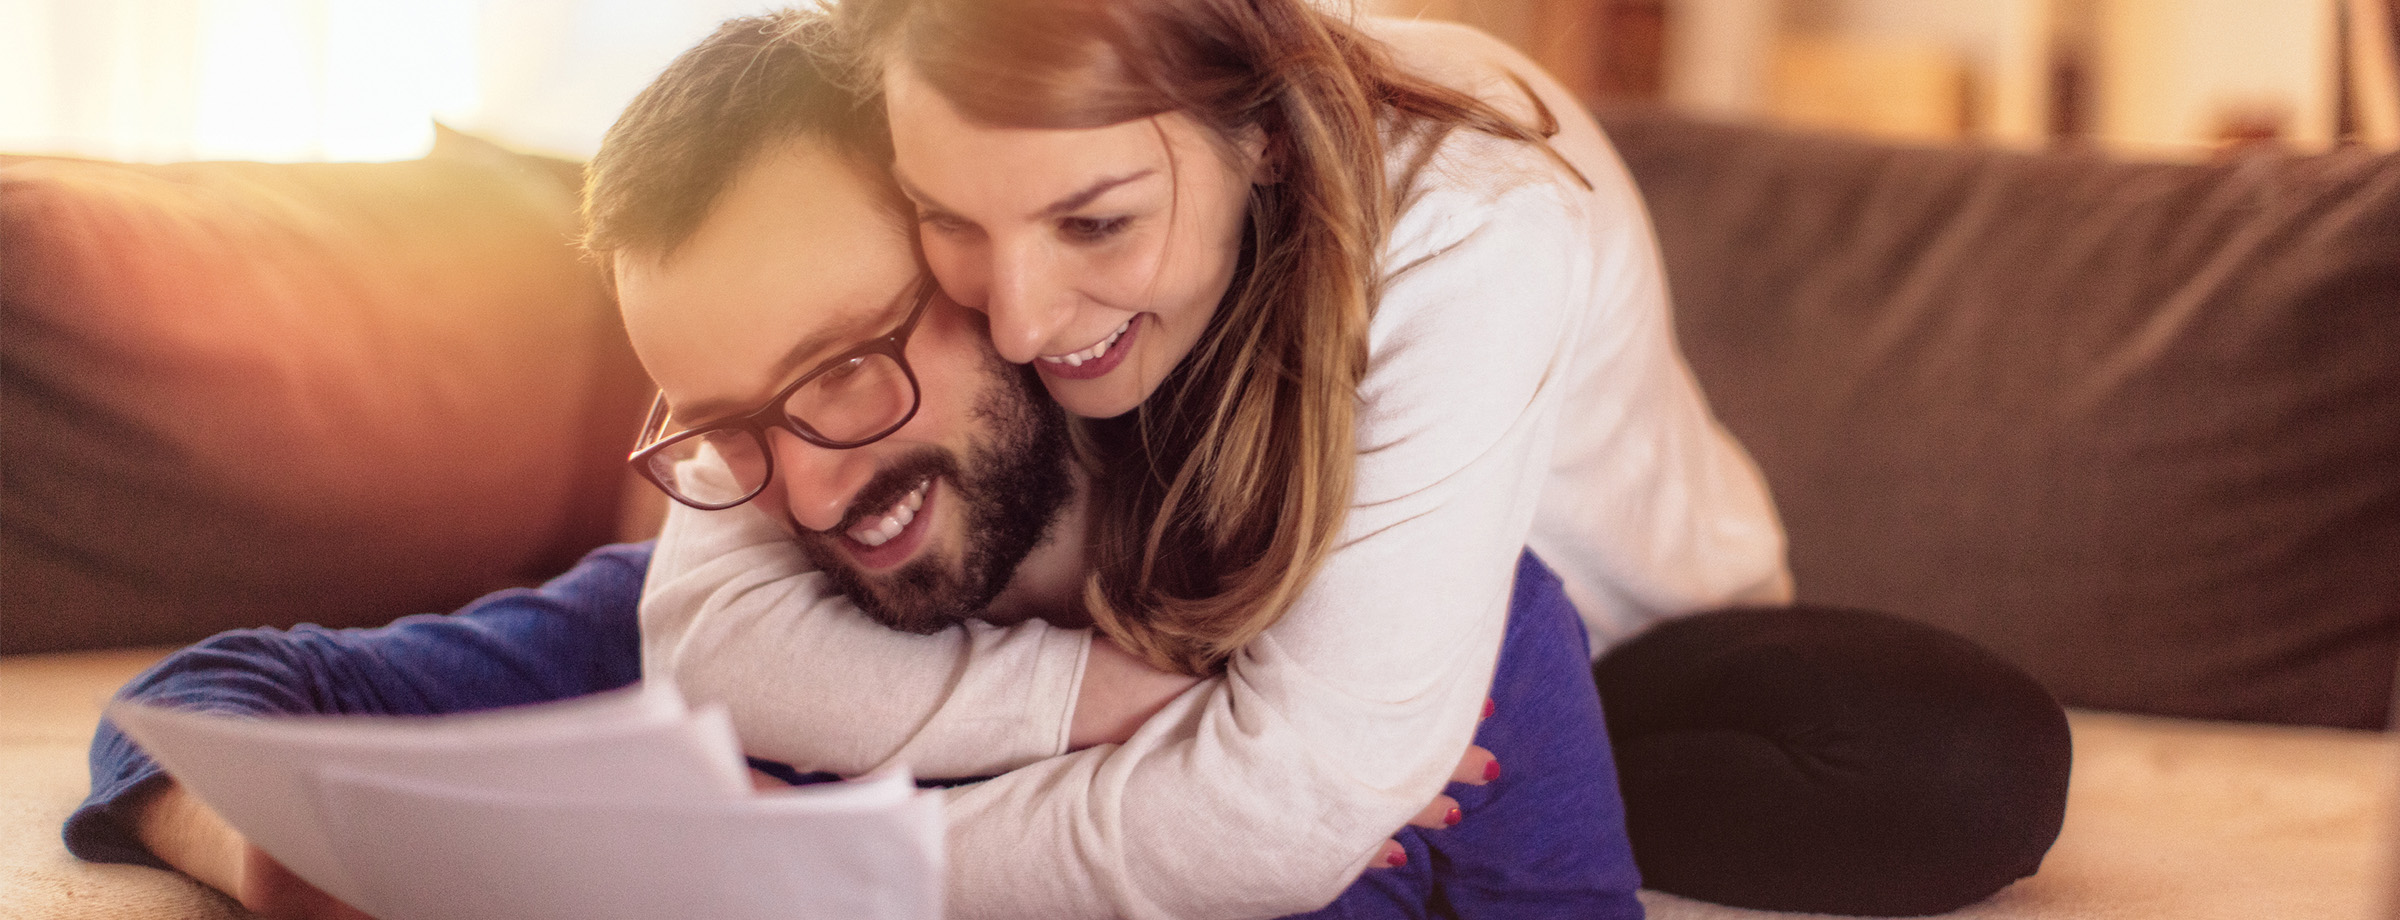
[(1066, 654)]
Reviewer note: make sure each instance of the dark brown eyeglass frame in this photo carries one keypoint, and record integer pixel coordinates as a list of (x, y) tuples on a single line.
[(893, 344)]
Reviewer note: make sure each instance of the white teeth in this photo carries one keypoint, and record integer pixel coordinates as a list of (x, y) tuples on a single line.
[(877, 531), (1076, 359)]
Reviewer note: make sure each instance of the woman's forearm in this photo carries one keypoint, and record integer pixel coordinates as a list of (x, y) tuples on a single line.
[(1118, 693)]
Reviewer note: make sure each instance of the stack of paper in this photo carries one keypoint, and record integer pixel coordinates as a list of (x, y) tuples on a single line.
[(622, 805)]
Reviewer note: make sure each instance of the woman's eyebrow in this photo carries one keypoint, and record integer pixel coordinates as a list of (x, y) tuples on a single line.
[(1064, 205), (1079, 199)]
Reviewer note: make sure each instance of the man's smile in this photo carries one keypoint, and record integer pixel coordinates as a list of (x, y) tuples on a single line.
[(883, 538), (879, 529)]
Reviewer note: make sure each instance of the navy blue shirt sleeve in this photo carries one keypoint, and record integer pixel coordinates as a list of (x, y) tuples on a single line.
[(576, 635)]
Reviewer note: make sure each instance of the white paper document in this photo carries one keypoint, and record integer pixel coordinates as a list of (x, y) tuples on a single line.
[(621, 805)]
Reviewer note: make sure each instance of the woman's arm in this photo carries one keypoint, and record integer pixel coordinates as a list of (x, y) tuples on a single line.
[(734, 614), (1118, 693), (1651, 508)]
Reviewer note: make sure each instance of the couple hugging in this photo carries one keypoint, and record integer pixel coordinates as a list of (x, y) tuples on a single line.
[(1200, 424)]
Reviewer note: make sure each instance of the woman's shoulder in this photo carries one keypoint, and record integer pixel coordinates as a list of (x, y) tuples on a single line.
[(1465, 177), (1465, 198), (1460, 57)]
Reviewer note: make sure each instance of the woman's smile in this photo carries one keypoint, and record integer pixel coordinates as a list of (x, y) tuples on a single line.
[(1102, 357)]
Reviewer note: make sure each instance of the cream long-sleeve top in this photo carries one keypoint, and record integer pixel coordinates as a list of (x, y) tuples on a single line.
[(1524, 390)]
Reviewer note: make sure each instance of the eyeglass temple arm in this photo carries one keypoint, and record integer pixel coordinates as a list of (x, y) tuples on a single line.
[(653, 426)]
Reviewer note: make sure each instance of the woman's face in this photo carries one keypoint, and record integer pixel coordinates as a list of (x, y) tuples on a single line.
[(1099, 253)]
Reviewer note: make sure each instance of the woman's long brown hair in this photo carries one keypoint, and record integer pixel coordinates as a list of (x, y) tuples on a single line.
[(1215, 502)]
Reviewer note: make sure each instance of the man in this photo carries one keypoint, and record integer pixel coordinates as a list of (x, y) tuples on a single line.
[(771, 288)]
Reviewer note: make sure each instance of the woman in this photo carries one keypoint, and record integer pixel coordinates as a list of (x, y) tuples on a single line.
[(1349, 324)]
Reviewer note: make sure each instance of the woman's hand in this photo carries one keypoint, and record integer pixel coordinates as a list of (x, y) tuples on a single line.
[(1475, 768), (188, 835)]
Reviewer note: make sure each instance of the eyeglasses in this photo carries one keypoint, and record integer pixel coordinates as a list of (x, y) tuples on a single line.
[(852, 400)]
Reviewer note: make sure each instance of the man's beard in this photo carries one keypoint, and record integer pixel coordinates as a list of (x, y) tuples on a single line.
[(1013, 485)]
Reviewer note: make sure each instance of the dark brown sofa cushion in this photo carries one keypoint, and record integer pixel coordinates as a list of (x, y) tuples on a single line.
[(241, 394), (2134, 426)]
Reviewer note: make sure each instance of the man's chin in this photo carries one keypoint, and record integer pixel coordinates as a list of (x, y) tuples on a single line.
[(922, 596)]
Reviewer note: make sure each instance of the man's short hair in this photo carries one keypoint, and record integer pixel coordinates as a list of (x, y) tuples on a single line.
[(756, 81)]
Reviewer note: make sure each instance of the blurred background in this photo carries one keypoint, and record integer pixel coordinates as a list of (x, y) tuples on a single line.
[(2176, 79), (296, 80), (300, 80)]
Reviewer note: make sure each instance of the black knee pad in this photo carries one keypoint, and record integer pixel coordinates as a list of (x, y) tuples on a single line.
[(1831, 760)]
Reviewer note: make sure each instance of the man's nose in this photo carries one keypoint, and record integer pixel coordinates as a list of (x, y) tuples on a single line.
[(819, 483), (1026, 302)]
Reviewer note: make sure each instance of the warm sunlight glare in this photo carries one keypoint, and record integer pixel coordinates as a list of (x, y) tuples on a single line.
[(330, 80), (276, 80)]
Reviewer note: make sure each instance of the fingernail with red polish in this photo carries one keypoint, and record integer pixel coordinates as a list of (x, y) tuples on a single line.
[(1487, 707), (1452, 818), (1397, 859), (1491, 770)]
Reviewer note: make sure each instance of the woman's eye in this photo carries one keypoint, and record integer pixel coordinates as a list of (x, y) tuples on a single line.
[(1092, 229)]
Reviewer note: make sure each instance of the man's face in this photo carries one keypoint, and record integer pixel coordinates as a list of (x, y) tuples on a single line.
[(798, 262)]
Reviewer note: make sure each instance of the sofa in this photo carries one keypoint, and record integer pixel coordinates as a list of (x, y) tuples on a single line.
[(2132, 426)]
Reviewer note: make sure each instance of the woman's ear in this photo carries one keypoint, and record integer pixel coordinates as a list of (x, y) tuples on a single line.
[(1263, 152)]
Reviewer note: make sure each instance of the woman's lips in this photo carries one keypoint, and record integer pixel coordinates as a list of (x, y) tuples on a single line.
[(1108, 360)]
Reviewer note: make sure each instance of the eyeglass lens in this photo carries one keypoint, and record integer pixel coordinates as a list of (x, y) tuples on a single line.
[(854, 401), (718, 467)]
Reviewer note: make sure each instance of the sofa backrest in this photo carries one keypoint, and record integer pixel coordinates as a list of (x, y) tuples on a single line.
[(2134, 426), (242, 394)]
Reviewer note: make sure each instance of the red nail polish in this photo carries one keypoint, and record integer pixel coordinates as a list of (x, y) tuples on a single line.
[(1397, 859), (1491, 770), (1487, 707), (1452, 818)]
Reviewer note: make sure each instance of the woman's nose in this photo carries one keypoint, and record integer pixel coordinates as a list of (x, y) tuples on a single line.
[(819, 483), (1025, 304)]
